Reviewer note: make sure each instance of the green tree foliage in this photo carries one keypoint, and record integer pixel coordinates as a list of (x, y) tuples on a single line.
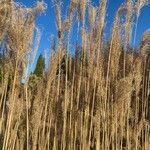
[(40, 66)]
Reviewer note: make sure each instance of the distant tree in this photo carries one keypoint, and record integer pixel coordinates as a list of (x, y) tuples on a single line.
[(40, 66)]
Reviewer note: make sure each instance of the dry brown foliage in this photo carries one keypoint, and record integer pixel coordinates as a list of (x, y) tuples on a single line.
[(96, 100)]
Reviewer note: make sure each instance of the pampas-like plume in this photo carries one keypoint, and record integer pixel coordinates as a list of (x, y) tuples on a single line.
[(92, 16), (115, 45), (128, 24), (20, 39), (102, 15), (82, 9), (84, 37), (58, 19), (140, 4), (145, 43), (137, 73), (73, 5), (5, 15), (123, 94), (40, 7)]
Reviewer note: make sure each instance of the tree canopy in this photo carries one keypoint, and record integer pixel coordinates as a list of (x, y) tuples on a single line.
[(40, 66)]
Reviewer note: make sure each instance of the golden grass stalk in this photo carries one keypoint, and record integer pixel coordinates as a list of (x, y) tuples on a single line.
[(92, 16)]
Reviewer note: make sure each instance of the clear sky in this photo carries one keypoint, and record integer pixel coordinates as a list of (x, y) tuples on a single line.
[(46, 22)]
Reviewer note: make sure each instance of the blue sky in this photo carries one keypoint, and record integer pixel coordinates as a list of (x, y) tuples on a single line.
[(46, 22)]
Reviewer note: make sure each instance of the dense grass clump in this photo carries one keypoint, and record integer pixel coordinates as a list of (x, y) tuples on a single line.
[(95, 99)]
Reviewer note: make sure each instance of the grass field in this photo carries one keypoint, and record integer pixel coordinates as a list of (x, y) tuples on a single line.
[(97, 99)]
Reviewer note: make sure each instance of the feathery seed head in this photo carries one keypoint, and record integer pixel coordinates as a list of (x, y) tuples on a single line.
[(92, 15), (73, 5), (82, 9), (40, 7)]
